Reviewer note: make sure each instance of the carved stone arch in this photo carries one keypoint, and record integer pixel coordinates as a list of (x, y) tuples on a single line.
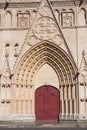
[(27, 11), (63, 10), (83, 9), (82, 16), (8, 15), (29, 16), (33, 14), (57, 15), (19, 11), (28, 68), (52, 64), (31, 60), (31, 69), (53, 61), (37, 63), (73, 12), (40, 64), (8, 11), (62, 72), (67, 17), (23, 18)]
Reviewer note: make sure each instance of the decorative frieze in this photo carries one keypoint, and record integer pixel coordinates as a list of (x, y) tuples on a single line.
[(35, 4)]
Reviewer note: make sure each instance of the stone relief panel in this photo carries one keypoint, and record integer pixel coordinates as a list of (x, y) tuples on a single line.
[(67, 19), (23, 20)]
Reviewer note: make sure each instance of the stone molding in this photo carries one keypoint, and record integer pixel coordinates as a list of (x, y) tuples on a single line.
[(36, 62), (35, 4)]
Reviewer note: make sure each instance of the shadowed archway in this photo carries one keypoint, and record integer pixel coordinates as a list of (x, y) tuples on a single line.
[(26, 71)]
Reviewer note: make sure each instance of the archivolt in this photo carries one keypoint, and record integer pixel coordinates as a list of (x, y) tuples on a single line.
[(40, 54)]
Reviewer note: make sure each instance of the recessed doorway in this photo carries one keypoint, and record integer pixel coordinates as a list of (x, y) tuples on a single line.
[(47, 103)]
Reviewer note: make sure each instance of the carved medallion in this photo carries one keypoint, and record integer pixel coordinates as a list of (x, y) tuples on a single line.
[(45, 28)]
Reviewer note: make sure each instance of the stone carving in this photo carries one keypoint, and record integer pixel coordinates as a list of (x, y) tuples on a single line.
[(57, 39), (67, 19), (33, 40), (45, 11), (45, 28), (23, 20)]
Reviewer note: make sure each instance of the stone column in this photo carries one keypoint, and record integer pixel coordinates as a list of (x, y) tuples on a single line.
[(11, 98), (0, 95), (28, 107), (86, 99), (74, 89), (19, 100), (14, 19), (3, 18), (26, 104), (62, 101), (66, 100), (66, 108), (33, 100), (74, 98), (28, 100), (65, 92), (69, 92), (16, 107), (62, 92), (70, 107), (61, 98), (74, 107), (62, 108)]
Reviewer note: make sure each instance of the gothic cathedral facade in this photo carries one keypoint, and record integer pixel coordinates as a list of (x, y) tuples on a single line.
[(43, 52)]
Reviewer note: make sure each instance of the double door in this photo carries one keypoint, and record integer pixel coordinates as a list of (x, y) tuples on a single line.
[(47, 103)]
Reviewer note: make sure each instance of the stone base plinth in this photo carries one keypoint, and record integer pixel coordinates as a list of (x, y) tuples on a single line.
[(17, 118)]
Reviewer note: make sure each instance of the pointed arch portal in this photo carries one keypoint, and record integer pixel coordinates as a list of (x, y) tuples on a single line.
[(45, 52), (27, 69)]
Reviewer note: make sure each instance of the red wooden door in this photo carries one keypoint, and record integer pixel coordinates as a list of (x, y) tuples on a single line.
[(47, 103)]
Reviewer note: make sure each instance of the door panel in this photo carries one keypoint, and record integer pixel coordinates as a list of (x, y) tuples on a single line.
[(47, 103)]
